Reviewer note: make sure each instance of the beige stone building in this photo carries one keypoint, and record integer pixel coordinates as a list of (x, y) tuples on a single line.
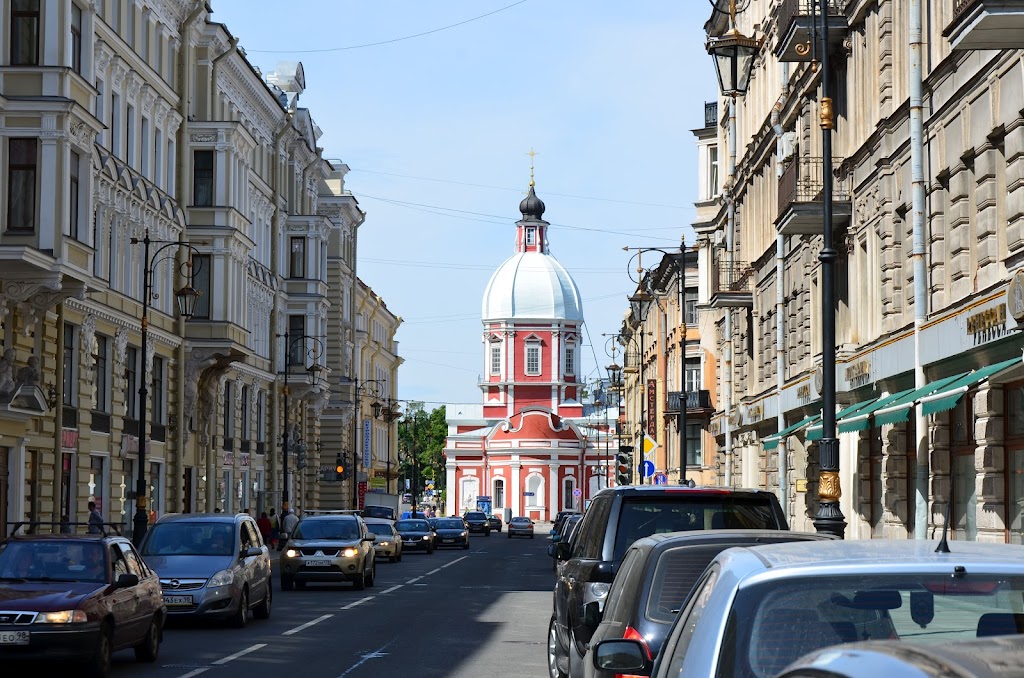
[(928, 371)]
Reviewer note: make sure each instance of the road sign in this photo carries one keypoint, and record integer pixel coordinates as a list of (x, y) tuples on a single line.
[(660, 479), (650, 444), (577, 492), (528, 494), (646, 468)]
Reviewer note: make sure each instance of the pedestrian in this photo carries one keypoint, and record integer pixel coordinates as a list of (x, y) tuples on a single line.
[(95, 519), (288, 524), (275, 528), (263, 522)]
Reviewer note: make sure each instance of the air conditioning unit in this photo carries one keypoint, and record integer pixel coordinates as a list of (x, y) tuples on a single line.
[(719, 238)]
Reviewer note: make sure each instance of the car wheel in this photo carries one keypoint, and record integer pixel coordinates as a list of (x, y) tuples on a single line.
[(287, 583), (241, 617), (98, 666), (466, 546), (487, 533), (300, 584), (555, 654), (360, 583), (531, 536), (373, 574), (399, 556), (393, 558), (262, 610), (149, 649)]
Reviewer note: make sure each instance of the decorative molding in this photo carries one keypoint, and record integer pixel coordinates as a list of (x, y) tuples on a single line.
[(150, 352), (88, 346), (203, 137)]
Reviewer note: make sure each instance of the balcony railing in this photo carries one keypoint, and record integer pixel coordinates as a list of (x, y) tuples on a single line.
[(695, 400), (631, 360), (710, 113), (229, 444), (797, 31), (261, 448), (802, 181), (735, 277), (962, 7), (100, 422), (986, 24), (130, 427), (243, 446)]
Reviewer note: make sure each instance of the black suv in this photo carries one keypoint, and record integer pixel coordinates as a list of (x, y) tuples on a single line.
[(477, 521), (616, 518)]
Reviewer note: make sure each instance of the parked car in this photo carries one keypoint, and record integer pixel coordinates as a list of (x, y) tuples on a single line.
[(211, 565), (981, 658), (418, 514), (655, 577), (568, 529), (451, 532), (562, 520), (477, 522), (495, 522), (416, 534), (520, 526), (78, 597), (756, 610), (616, 518), (329, 549), (386, 541)]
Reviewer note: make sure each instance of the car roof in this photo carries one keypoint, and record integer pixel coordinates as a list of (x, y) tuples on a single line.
[(641, 490), (203, 517), (65, 537), (335, 516), (673, 539), (378, 521)]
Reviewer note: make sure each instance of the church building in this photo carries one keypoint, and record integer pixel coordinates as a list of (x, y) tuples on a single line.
[(529, 445)]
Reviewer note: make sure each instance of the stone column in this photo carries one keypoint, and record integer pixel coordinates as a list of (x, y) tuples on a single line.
[(552, 503), (897, 489), (450, 500), (941, 456), (515, 491), (990, 462)]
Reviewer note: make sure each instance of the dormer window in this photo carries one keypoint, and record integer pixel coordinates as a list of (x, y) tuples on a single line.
[(531, 236)]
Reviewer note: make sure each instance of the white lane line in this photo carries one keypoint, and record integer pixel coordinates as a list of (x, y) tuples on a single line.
[(414, 580), (376, 654), (453, 562), (241, 653), (358, 602), (292, 632), (432, 572), (393, 588), (196, 672)]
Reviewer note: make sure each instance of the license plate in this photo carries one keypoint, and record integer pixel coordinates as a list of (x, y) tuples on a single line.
[(448, 541), (178, 600), (318, 563), (14, 637)]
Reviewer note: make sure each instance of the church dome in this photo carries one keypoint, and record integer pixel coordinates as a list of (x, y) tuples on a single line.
[(532, 207), (532, 285)]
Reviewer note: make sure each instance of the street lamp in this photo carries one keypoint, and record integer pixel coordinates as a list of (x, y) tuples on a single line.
[(186, 298), (290, 342), (733, 54), (640, 303)]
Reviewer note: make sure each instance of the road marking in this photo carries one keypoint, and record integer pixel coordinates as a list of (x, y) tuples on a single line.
[(241, 653), (358, 602), (196, 672), (435, 571), (393, 588), (292, 632), (376, 654), (455, 561), (414, 580)]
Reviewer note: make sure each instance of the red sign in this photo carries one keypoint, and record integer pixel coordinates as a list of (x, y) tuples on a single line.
[(361, 493), (652, 408)]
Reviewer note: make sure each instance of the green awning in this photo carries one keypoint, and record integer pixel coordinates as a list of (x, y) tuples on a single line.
[(947, 397), (817, 431), (772, 441), (899, 410), (861, 420)]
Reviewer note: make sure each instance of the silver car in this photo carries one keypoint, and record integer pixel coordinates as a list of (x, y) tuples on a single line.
[(211, 565), (756, 610), (386, 540)]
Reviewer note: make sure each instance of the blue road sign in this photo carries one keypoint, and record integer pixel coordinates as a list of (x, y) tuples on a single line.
[(660, 479), (646, 468)]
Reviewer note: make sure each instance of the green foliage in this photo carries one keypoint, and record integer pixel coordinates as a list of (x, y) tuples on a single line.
[(423, 432)]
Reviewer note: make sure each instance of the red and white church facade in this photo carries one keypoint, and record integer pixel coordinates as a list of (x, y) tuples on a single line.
[(529, 445)]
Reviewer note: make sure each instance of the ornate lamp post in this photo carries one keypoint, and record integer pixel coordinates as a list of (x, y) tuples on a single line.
[(290, 344), (186, 298), (734, 57)]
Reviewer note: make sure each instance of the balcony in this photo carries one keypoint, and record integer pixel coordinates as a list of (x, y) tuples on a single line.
[(732, 285), (697, 402), (986, 24), (796, 21), (801, 210), (710, 114)]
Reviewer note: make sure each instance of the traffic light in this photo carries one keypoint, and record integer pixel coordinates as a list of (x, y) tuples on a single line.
[(339, 468), (300, 456), (624, 465)]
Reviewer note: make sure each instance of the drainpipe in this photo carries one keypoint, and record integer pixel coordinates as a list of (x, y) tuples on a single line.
[(921, 517), (780, 298), (730, 228), (275, 185), (58, 428), (214, 101)]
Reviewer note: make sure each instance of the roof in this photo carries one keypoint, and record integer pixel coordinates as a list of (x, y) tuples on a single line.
[(203, 517), (710, 536), (534, 424), (532, 286), (660, 489), (378, 521)]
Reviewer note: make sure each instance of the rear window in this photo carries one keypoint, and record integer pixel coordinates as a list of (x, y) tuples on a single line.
[(475, 516), (675, 574), (379, 512), (643, 516)]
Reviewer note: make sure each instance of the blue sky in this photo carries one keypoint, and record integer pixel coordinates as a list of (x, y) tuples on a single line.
[(605, 92)]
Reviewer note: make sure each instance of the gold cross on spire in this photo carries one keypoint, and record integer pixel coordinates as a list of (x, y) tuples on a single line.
[(532, 154)]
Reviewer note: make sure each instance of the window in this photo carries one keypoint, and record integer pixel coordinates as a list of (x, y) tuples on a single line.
[(158, 390), (694, 382), (158, 159), (100, 366), (145, 148), (101, 114), (690, 303), (69, 365), (570, 359), (533, 358), (131, 377), (201, 279), (229, 411), (202, 179), (73, 206), (97, 474), (21, 186), (531, 236), (129, 135), (495, 358), (24, 32), (244, 433), (260, 421), (499, 493), (156, 495), (76, 38), (694, 443), (117, 562), (144, 40), (568, 500), (115, 124), (712, 172), (297, 258), (296, 329)]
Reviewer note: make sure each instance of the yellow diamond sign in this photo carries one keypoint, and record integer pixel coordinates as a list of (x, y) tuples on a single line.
[(650, 444)]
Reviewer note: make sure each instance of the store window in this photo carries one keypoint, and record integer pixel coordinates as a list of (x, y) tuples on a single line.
[(97, 474)]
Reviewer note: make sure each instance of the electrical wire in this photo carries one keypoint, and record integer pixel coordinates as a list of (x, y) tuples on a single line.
[(383, 42), (469, 267), (428, 319)]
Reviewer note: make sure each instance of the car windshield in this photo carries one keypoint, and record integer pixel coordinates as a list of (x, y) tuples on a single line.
[(63, 561), (647, 516), (379, 512), (186, 538), (377, 528), (520, 521), (412, 526), (475, 516), (327, 529), (450, 525), (773, 624)]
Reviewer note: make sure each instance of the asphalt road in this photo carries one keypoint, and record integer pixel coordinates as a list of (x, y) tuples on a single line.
[(481, 612)]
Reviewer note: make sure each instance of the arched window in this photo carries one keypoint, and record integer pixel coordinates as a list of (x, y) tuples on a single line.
[(470, 488), (568, 500), (499, 493), (594, 485), (534, 490)]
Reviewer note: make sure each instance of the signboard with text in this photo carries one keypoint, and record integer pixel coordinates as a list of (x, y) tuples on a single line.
[(652, 407), (367, 430)]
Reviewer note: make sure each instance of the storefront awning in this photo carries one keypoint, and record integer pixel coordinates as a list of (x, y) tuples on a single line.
[(818, 430), (947, 397), (899, 410), (772, 441)]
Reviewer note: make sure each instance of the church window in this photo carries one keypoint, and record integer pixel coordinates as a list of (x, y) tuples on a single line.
[(499, 493), (531, 236), (568, 500), (533, 359), (495, 358), (570, 359)]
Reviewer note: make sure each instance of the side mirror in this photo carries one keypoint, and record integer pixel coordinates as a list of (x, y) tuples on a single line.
[(562, 551), (551, 550), (252, 552), (592, 614), (622, 656), (127, 580), (369, 537)]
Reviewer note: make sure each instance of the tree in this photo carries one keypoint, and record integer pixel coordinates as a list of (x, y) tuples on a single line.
[(425, 433)]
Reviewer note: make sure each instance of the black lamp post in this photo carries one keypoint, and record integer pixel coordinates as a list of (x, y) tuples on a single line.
[(290, 342), (410, 457), (615, 379), (734, 55), (640, 303), (186, 298)]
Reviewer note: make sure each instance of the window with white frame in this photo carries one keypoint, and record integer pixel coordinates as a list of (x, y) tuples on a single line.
[(159, 396), (712, 189), (570, 359), (101, 365), (531, 236), (533, 358), (495, 357), (694, 379), (499, 493)]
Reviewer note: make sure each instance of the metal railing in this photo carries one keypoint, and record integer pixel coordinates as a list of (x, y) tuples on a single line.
[(158, 432), (961, 7), (710, 113), (735, 277), (69, 416), (802, 181), (789, 10), (695, 400)]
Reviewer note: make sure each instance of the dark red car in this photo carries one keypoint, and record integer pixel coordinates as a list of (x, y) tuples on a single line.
[(77, 597)]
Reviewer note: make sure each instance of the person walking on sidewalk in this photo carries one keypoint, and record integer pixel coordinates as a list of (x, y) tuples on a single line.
[(263, 522), (275, 528), (95, 519), (288, 524)]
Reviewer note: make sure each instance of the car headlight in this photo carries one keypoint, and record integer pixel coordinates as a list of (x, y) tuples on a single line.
[(426, 537), (222, 578), (291, 553), (61, 617), (348, 553), (464, 534), (598, 590), (383, 543)]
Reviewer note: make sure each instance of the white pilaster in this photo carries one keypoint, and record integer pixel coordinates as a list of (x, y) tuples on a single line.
[(451, 500), (552, 508), (515, 492)]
